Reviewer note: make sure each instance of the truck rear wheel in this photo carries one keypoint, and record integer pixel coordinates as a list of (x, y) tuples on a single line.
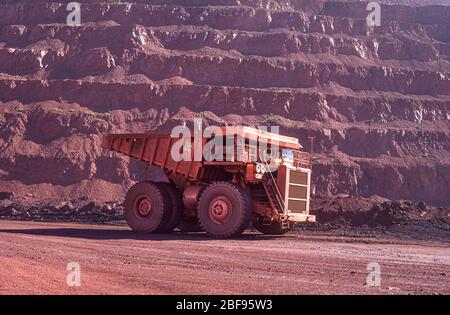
[(144, 207), (275, 228), (173, 210), (189, 225), (223, 210)]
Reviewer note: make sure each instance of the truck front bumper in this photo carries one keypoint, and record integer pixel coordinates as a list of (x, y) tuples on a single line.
[(301, 217)]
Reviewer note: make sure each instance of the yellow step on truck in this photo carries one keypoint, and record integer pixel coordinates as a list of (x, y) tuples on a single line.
[(245, 176)]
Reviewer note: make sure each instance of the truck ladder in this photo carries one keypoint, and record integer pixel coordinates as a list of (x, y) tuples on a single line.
[(272, 191)]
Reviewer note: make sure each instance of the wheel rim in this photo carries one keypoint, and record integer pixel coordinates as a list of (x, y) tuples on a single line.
[(220, 210), (143, 206)]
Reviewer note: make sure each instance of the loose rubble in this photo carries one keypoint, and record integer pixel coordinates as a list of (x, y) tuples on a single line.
[(409, 218)]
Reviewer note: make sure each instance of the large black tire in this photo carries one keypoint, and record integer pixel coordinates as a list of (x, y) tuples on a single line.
[(275, 228), (174, 208), (223, 210), (145, 205)]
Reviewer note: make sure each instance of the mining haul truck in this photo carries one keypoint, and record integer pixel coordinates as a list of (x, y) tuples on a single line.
[(224, 196)]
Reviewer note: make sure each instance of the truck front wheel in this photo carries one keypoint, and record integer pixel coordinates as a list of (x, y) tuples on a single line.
[(223, 210)]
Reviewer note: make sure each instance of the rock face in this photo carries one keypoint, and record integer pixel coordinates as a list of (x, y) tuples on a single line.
[(376, 99)]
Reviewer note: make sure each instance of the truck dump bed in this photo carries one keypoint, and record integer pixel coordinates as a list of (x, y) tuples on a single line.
[(153, 148)]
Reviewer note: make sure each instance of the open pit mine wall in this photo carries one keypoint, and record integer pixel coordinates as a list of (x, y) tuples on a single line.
[(376, 99)]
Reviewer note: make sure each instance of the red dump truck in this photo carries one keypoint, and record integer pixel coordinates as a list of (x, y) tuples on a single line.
[(225, 196)]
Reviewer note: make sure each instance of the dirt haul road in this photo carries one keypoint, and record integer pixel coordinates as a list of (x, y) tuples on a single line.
[(34, 258)]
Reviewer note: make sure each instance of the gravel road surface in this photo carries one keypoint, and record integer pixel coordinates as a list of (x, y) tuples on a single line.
[(114, 260)]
